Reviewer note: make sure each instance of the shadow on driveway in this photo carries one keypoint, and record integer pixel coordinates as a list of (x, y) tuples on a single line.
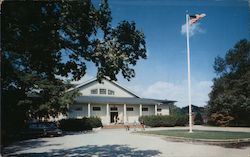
[(26, 145), (94, 150)]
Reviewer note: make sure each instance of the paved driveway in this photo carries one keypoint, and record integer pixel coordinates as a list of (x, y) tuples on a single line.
[(117, 143)]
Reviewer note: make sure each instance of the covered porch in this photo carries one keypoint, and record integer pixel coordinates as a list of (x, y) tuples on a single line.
[(118, 109)]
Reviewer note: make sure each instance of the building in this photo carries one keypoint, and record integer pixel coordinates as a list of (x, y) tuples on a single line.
[(110, 101)]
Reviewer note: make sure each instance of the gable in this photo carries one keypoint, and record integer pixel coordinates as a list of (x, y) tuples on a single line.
[(105, 88)]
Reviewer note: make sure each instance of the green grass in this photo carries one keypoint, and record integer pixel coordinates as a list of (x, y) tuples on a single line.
[(200, 134)]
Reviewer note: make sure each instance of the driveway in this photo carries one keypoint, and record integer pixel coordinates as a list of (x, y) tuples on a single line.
[(117, 143)]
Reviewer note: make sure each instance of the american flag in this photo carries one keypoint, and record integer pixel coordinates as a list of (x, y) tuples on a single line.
[(194, 18)]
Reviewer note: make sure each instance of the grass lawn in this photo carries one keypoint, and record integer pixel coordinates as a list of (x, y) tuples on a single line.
[(201, 134)]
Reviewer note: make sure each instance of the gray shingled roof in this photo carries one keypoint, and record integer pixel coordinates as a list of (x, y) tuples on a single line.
[(120, 100)]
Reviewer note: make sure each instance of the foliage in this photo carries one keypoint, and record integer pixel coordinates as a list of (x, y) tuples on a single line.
[(195, 109), (163, 120), (95, 122), (198, 120), (220, 119), (182, 120), (174, 110), (229, 102), (45, 41), (80, 124)]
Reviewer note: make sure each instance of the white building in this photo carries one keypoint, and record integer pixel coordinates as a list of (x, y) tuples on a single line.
[(109, 99)]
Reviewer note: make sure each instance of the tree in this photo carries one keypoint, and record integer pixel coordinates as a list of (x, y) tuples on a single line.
[(44, 41), (230, 96), (198, 120)]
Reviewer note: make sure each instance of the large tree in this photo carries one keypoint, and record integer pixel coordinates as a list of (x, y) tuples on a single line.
[(43, 41), (229, 102)]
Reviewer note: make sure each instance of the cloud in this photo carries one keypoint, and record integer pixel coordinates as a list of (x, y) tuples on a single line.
[(193, 29), (176, 91)]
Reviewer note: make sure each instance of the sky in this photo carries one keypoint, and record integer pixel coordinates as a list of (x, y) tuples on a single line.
[(163, 75)]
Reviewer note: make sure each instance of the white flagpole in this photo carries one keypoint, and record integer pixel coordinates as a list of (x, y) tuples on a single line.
[(189, 81)]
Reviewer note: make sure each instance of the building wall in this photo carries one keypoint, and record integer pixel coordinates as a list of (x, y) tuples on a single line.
[(102, 114), (118, 92), (132, 116), (78, 111), (81, 110), (165, 110), (151, 110)]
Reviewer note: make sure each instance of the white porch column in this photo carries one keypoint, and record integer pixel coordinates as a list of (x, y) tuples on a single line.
[(107, 114), (125, 113), (140, 110), (155, 109), (88, 109)]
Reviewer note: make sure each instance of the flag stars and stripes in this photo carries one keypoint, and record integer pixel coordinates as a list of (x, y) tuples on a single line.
[(194, 18)]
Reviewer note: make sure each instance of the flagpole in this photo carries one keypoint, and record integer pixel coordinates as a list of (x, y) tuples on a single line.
[(189, 81)]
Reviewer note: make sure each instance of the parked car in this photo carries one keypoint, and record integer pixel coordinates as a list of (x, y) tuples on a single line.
[(41, 129)]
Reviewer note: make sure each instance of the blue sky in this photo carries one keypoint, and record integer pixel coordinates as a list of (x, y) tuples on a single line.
[(164, 74)]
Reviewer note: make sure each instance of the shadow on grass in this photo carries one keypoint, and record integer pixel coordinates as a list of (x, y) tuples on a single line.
[(236, 145), (94, 150)]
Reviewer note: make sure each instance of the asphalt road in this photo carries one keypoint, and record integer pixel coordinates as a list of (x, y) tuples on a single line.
[(117, 143)]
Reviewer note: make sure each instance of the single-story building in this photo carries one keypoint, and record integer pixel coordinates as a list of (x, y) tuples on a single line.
[(113, 102)]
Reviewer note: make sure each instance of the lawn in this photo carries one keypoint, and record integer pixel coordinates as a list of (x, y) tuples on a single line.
[(201, 134)]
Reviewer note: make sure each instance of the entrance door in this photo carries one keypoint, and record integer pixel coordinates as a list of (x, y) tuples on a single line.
[(112, 115)]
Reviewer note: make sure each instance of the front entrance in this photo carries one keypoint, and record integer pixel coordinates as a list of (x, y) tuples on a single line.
[(112, 115)]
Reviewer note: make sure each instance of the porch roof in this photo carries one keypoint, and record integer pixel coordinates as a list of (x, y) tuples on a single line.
[(120, 100)]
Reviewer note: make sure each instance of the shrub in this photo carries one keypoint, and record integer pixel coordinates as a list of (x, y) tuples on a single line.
[(198, 120), (220, 119), (95, 122), (182, 120), (158, 121), (80, 124)]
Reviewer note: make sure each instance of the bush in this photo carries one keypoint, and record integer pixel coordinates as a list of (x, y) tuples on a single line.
[(80, 124), (220, 119), (182, 120), (95, 122), (162, 120), (198, 120)]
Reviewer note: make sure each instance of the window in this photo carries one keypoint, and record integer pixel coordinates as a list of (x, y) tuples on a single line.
[(111, 92), (158, 109), (94, 91), (113, 108), (77, 108), (144, 109), (130, 109), (96, 108), (102, 91)]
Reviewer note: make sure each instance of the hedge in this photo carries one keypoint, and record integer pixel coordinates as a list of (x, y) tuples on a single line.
[(80, 124), (164, 120)]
